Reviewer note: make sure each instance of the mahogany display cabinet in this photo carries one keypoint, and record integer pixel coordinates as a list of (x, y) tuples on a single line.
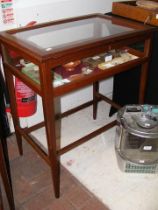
[(67, 55)]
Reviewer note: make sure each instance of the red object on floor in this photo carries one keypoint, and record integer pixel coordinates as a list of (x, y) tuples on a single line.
[(25, 97)]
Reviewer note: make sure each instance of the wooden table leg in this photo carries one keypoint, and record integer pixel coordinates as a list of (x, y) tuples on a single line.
[(11, 89), (49, 109), (95, 99), (5, 171)]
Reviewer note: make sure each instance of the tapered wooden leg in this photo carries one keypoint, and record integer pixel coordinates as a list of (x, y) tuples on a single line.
[(95, 99), (49, 110), (5, 174), (16, 122), (1, 201), (56, 170), (52, 148)]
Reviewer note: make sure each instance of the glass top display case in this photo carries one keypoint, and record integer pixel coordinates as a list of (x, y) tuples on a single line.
[(97, 38), (58, 57)]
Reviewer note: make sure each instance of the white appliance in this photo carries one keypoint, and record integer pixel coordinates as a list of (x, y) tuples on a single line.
[(137, 138)]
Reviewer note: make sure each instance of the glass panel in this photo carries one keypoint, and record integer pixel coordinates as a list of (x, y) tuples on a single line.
[(63, 35)]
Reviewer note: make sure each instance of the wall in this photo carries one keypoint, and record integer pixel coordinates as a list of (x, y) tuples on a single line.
[(47, 10), (7, 16)]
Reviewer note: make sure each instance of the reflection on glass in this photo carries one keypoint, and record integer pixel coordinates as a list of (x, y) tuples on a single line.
[(61, 35)]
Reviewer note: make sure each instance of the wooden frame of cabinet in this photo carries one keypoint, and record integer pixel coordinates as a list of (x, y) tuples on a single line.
[(46, 60)]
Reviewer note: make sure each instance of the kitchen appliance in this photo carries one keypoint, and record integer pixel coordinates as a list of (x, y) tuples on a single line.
[(136, 142)]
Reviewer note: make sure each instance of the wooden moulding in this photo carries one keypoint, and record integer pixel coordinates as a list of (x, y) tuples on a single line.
[(129, 9)]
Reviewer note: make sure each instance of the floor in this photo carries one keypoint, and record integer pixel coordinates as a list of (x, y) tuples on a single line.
[(94, 163), (32, 185)]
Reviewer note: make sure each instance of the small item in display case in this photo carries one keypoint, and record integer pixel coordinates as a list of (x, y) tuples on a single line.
[(59, 80), (86, 70), (69, 71), (105, 65), (71, 65), (105, 60), (108, 57), (31, 70), (124, 57), (92, 62), (57, 76)]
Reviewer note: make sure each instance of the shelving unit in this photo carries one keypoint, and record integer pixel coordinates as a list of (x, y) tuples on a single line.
[(54, 44)]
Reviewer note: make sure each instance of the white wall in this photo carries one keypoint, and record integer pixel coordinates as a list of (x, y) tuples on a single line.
[(46, 10), (7, 12)]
